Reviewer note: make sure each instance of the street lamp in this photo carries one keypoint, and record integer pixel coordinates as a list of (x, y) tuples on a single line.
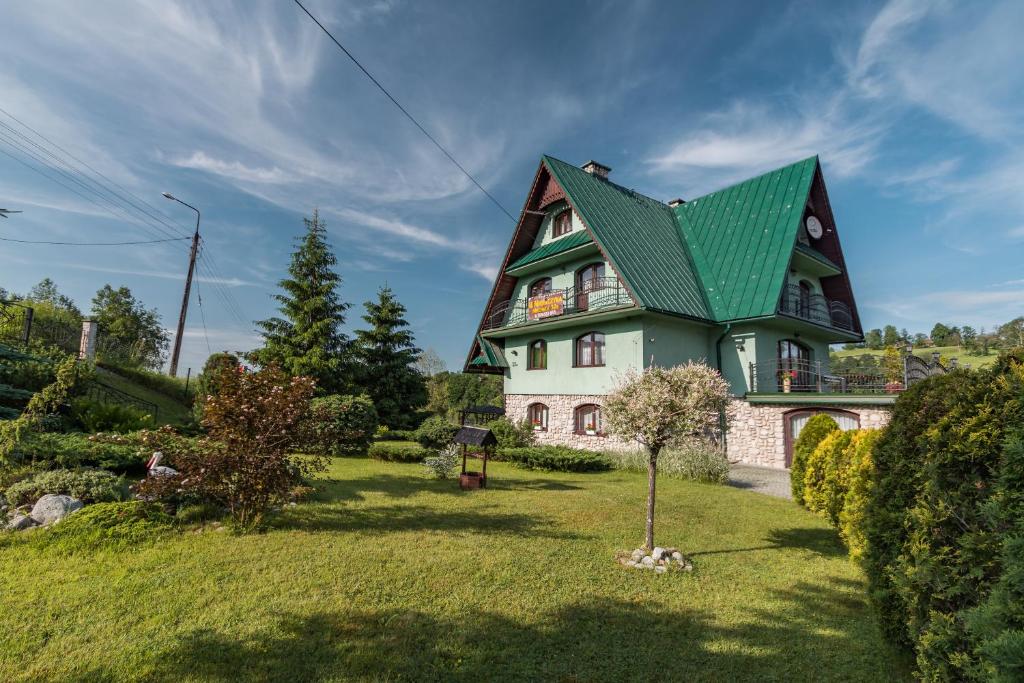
[(188, 287)]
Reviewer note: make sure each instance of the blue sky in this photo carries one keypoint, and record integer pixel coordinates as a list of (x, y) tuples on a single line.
[(247, 111)]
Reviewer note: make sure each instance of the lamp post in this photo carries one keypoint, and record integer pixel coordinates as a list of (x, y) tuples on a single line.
[(188, 288)]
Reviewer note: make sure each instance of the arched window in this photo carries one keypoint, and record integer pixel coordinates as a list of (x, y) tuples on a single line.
[(562, 224), (540, 287), (590, 350), (794, 366), (538, 355), (589, 278), (537, 414), (588, 420)]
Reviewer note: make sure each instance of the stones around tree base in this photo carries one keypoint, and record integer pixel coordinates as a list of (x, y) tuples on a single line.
[(660, 560)]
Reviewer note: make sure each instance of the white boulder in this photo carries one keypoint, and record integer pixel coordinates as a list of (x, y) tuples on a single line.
[(54, 507)]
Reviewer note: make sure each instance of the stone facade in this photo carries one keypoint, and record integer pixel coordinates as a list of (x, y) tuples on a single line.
[(757, 430), (561, 420)]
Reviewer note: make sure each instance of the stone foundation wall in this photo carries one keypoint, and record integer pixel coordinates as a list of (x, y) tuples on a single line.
[(562, 421), (757, 430)]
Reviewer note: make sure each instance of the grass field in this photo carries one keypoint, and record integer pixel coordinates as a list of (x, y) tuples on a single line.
[(390, 576), (959, 353), (171, 411)]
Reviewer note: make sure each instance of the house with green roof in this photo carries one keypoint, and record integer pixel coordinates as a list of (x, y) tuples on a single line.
[(750, 279)]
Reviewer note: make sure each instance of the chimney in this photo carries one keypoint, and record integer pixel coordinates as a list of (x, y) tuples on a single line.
[(596, 169), (678, 201)]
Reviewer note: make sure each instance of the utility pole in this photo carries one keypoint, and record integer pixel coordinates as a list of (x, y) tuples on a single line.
[(188, 288)]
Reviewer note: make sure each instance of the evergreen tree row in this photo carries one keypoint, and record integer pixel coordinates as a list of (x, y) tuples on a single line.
[(307, 337)]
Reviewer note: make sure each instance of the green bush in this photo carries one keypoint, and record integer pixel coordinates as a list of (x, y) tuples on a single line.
[(339, 425), (87, 485), (512, 434), (816, 429), (385, 434), (116, 452), (109, 525), (556, 459), (93, 416), (207, 382), (826, 477), (693, 459), (436, 433), (398, 451), (861, 473)]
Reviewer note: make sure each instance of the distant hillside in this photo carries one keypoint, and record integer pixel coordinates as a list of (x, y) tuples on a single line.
[(959, 353)]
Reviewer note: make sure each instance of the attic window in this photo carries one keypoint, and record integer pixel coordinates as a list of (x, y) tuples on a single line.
[(563, 224)]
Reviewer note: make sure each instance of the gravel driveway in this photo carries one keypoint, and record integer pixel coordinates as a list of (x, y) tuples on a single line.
[(767, 480)]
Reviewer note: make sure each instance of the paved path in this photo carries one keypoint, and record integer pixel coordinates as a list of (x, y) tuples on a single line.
[(767, 480)]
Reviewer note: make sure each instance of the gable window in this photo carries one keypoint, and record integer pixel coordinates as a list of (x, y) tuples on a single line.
[(794, 366), (537, 414), (562, 224), (590, 350), (540, 287), (538, 356), (589, 278), (588, 420)]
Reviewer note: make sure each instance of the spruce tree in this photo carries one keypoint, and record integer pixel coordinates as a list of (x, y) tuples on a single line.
[(307, 338), (386, 353)]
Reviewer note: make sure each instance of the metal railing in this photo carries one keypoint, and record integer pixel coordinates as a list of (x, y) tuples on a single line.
[(104, 393), (798, 375), (815, 308), (589, 295)]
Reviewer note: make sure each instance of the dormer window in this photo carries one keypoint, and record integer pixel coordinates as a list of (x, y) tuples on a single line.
[(562, 224)]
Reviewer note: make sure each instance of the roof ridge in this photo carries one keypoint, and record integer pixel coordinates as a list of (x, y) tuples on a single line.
[(753, 177), (629, 190)]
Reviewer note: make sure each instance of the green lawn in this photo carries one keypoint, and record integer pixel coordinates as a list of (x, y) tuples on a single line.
[(171, 411), (391, 576), (959, 353)]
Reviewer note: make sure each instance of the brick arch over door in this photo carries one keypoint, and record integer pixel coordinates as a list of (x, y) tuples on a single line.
[(794, 420)]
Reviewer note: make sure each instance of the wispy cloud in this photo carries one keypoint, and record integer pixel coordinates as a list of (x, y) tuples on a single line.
[(236, 170)]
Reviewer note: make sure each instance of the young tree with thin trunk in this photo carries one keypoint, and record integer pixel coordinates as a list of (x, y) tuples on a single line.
[(659, 405)]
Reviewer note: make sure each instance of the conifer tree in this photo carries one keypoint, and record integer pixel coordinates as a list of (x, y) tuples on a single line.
[(307, 338), (386, 353)]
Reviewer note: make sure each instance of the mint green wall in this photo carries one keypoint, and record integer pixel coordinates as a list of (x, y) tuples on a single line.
[(623, 349), (562, 275), (673, 341), (759, 343), (544, 234), (795, 276)]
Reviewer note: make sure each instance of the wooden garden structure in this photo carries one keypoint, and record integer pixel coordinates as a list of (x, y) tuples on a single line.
[(476, 415), (477, 443)]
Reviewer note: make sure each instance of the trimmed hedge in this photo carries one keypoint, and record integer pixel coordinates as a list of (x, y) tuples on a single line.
[(860, 473), (816, 429), (436, 432), (87, 485), (556, 459), (512, 434), (398, 451), (826, 476), (385, 434)]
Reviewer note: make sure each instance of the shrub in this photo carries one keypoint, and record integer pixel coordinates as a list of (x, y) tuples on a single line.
[(339, 425), (861, 478), (436, 432), (207, 381), (385, 434), (826, 478), (109, 525), (398, 451), (87, 485), (93, 416), (816, 429), (245, 466), (512, 434), (556, 459), (442, 465), (693, 459), (116, 452)]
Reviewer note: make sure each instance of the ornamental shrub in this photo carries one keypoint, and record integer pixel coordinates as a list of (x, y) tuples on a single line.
[(385, 434), (109, 525), (436, 432), (816, 429), (694, 459), (398, 451), (442, 465), (87, 485), (556, 459), (93, 416), (121, 453), (512, 434), (339, 425), (826, 476), (860, 475)]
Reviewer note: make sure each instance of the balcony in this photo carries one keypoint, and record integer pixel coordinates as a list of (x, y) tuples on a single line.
[(794, 375), (815, 308), (590, 295)]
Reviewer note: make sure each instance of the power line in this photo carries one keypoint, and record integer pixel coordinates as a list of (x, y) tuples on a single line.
[(404, 111), (202, 315), (95, 244)]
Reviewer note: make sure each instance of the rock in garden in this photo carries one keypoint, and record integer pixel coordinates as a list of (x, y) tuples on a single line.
[(19, 522), (648, 561), (54, 507), (661, 569), (658, 553), (638, 555), (677, 556)]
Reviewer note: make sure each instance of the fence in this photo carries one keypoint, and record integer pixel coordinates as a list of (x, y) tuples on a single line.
[(858, 377)]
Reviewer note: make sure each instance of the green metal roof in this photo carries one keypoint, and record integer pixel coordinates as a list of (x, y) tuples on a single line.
[(742, 239), (490, 354), (640, 238), (570, 241)]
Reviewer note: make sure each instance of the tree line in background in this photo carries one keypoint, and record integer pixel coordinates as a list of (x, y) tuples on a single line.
[(975, 341)]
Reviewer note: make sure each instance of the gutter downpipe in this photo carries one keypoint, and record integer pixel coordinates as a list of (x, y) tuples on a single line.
[(722, 424)]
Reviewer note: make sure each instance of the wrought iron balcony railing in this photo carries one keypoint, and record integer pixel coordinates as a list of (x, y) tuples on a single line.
[(589, 295), (799, 375), (815, 308)]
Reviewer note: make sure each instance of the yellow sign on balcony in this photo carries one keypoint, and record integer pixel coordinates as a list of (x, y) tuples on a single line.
[(545, 306)]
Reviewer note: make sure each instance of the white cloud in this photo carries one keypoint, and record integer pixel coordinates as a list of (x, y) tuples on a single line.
[(232, 169), (395, 227)]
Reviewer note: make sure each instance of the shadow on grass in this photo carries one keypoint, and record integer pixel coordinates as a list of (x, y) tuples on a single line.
[(407, 485), (824, 542), (807, 632)]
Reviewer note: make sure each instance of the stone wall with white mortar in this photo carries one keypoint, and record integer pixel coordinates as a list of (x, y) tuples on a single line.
[(757, 430), (562, 420)]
